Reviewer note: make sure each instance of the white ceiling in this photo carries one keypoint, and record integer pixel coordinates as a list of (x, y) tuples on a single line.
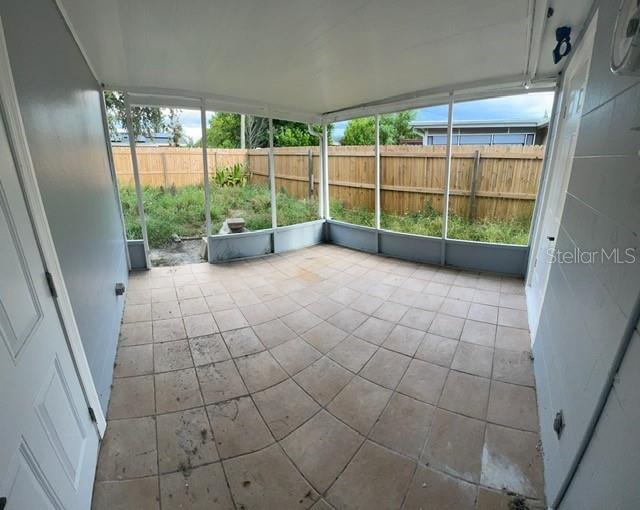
[(304, 58)]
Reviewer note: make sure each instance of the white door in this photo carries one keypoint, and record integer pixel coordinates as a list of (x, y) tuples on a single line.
[(48, 442), (573, 94)]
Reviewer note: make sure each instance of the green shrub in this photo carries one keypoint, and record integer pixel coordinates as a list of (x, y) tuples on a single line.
[(234, 175)]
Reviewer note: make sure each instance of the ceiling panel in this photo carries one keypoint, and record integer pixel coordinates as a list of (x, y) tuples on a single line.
[(306, 56)]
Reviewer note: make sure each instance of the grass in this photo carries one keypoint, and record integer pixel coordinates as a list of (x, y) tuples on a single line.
[(181, 211)]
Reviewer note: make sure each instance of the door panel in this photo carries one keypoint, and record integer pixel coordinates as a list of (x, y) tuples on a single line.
[(49, 444)]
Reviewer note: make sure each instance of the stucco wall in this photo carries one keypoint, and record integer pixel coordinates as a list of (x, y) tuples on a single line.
[(60, 105)]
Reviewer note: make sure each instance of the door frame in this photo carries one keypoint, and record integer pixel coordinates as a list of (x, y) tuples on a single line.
[(10, 109), (588, 38)]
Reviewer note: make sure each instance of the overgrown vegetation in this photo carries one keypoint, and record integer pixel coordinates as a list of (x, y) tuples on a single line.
[(181, 211)]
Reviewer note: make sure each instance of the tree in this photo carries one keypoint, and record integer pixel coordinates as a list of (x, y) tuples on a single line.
[(145, 120), (174, 127), (393, 128), (224, 131)]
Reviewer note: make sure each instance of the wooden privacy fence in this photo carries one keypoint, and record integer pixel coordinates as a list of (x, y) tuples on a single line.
[(493, 182)]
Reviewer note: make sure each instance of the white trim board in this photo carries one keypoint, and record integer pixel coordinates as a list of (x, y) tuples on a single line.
[(18, 140)]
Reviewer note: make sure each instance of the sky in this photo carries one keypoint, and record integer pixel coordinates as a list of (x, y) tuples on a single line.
[(533, 106)]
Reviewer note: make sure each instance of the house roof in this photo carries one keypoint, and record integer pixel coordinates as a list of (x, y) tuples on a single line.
[(428, 124), (313, 60)]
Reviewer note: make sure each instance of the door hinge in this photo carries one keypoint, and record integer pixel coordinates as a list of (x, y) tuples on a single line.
[(92, 415), (51, 284)]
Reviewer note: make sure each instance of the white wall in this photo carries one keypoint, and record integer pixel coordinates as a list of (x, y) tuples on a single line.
[(590, 309), (60, 105)]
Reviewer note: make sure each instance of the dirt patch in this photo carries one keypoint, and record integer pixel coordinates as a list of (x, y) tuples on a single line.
[(177, 254)]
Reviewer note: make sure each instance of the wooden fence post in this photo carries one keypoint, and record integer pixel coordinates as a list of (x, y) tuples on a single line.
[(310, 171), (164, 169), (473, 205)]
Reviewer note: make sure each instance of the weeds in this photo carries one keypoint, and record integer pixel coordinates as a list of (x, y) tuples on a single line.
[(181, 211)]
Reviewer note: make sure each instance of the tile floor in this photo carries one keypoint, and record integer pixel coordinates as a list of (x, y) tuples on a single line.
[(323, 378)]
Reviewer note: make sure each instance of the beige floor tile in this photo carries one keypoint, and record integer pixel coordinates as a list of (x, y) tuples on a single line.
[(516, 301), (483, 313), (141, 494), (257, 314), (360, 404), (238, 428), (283, 305), (473, 359), (321, 449), (301, 320), (367, 304), (185, 440), (352, 353), (513, 339), (169, 356), (511, 461), (423, 381), (194, 306), (501, 500), (177, 390), (446, 325), (323, 379), (455, 445), (431, 490), (259, 371), (513, 318), (513, 367), (136, 333), (404, 340), (389, 311), (128, 450), (163, 294), (324, 336), (137, 313), (166, 330), (513, 406), (465, 394), (268, 479), (429, 302), (386, 368), (134, 360), (480, 333), (404, 425), (347, 319), (295, 355), (487, 297), (220, 381), (242, 342), (417, 318), (219, 302), (165, 310), (132, 397), (274, 333), (325, 308), (475, 328), (455, 307), (201, 325), (375, 478), (188, 292), (285, 407), (437, 349), (203, 488)]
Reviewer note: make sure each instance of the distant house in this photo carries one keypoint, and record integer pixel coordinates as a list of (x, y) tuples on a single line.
[(481, 132), (121, 139)]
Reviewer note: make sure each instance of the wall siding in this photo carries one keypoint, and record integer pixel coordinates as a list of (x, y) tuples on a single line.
[(60, 105), (588, 308)]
